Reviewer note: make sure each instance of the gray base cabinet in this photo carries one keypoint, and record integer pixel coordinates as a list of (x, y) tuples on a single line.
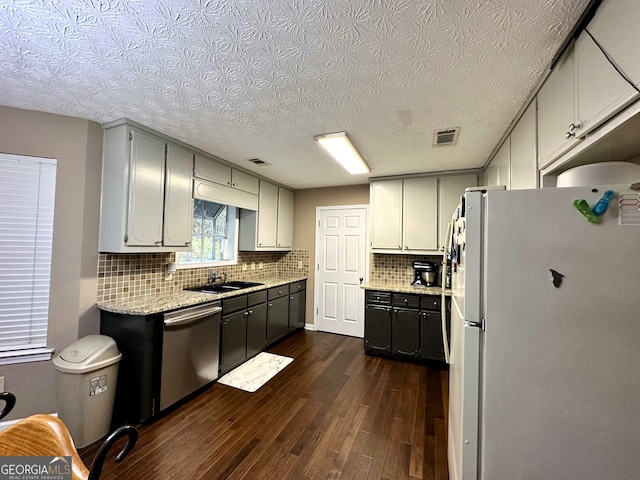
[(403, 326), (233, 349), (256, 329), (277, 313), (297, 305), (405, 333)]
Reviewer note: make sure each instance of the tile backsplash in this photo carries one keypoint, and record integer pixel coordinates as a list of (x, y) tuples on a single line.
[(130, 276), (395, 269)]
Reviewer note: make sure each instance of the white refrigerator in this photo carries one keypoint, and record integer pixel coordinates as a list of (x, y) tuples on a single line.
[(545, 336)]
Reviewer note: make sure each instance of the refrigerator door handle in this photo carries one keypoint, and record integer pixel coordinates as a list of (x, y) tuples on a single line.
[(469, 323)]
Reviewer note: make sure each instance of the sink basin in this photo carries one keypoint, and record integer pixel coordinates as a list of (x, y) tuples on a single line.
[(224, 287)]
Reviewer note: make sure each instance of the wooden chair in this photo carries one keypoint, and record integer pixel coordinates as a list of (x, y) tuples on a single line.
[(46, 435)]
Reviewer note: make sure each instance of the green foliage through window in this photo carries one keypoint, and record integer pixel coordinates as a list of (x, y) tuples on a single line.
[(211, 225)]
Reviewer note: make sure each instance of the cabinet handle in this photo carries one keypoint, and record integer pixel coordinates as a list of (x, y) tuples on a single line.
[(571, 132), (187, 244), (158, 242), (270, 305), (407, 353), (400, 247), (250, 312), (234, 184)]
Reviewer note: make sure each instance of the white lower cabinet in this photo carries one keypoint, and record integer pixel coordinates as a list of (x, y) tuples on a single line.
[(146, 203), (271, 227)]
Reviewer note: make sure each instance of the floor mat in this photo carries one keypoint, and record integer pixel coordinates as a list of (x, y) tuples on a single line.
[(254, 373)]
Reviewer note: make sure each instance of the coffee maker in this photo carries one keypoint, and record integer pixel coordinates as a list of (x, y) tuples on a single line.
[(425, 274)]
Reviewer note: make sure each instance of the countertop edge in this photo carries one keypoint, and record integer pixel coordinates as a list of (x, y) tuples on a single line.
[(395, 288), (165, 302)]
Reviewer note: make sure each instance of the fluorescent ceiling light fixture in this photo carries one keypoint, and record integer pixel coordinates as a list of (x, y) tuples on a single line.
[(340, 148)]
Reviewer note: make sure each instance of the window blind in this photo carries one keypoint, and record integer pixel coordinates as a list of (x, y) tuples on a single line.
[(27, 194)]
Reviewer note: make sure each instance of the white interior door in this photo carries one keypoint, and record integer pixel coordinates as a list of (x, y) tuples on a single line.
[(341, 260)]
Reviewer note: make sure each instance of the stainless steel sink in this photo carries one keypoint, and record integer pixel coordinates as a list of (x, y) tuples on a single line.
[(224, 287)]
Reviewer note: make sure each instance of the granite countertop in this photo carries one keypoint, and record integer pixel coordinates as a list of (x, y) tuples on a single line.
[(157, 303), (401, 288)]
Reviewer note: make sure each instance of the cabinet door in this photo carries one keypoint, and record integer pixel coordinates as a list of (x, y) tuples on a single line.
[(244, 181), (524, 167), (285, 218), (405, 332), (497, 172), (431, 346), (297, 303), (377, 329), (386, 214), (209, 169), (556, 112), (451, 189), (267, 214), (233, 341), (420, 214), (256, 329), (602, 92), (277, 319), (146, 190), (178, 198)]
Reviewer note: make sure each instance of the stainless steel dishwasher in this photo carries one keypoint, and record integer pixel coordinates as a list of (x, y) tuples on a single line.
[(190, 351)]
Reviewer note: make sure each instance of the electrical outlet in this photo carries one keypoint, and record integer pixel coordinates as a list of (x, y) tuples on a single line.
[(244, 267), (260, 266), (253, 265), (300, 265), (2, 384)]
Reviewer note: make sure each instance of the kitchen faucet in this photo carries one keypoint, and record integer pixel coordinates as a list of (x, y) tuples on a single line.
[(213, 276)]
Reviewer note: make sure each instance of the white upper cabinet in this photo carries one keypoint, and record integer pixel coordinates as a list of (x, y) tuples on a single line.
[(451, 189), (178, 197), (602, 92), (146, 192), (615, 27), (217, 182), (420, 209), (147, 201), (386, 215), (270, 228), (557, 126), (284, 234), (523, 167), (410, 215), (209, 169), (497, 172)]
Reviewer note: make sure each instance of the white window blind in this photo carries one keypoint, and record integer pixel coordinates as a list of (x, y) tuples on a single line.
[(27, 194)]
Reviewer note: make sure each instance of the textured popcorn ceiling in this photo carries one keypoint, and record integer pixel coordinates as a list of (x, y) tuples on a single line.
[(259, 78)]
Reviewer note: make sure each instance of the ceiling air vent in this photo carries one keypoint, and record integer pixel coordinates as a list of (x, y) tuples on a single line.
[(257, 161), (448, 136)]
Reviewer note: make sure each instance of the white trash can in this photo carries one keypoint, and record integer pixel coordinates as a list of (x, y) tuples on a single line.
[(86, 378)]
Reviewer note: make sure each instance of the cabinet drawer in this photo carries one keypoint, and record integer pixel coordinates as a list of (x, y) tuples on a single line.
[(431, 302), (233, 304), (277, 292), (377, 298), (256, 298), (297, 286), (406, 301)]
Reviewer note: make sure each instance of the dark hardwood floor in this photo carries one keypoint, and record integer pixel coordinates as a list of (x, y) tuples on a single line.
[(332, 413)]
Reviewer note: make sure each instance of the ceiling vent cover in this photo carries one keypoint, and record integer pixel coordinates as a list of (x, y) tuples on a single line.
[(448, 136), (258, 162)]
